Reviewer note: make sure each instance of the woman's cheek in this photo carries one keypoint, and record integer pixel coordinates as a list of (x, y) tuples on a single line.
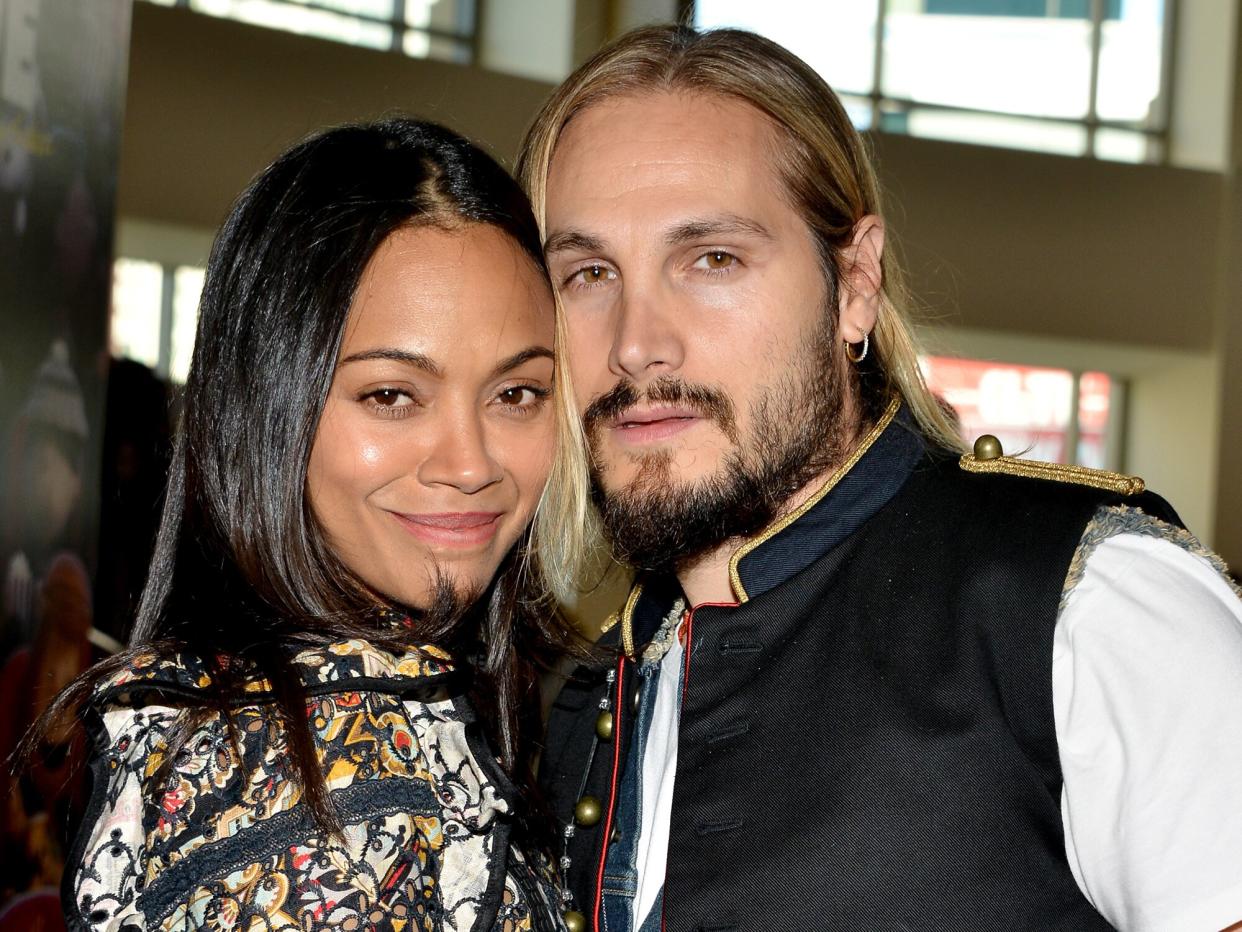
[(528, 457)]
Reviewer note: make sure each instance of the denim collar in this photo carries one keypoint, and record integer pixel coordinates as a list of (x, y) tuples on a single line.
[(861, 487)]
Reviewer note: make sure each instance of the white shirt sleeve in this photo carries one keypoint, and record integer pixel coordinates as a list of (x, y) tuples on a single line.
[(1147, 693)]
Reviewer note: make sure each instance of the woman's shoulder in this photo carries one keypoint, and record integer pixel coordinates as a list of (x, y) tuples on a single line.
[(180, 677), (145, 673)]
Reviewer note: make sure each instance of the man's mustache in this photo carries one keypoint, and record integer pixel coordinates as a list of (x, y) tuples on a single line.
[(711, 403)]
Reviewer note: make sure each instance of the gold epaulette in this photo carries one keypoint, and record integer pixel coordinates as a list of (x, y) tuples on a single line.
[(988, 457)]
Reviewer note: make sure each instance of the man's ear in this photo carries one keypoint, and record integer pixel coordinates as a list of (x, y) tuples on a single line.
[(862, 280)]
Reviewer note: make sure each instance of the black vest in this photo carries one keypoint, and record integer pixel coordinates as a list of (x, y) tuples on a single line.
[(869, 745)]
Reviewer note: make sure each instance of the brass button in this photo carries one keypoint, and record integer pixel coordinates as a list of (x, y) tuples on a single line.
[(603, 726), (988, 447), (575, 921), (588, 811)]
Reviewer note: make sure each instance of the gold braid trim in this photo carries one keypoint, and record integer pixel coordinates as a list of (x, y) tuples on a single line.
[(627, 622), (735, 574), (1034, 469)]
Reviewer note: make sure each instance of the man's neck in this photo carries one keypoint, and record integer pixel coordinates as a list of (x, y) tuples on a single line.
[(706, 580)]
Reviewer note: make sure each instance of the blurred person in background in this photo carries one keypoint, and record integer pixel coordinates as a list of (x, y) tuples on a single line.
[(864, 680), (325, 716), (40, 802)]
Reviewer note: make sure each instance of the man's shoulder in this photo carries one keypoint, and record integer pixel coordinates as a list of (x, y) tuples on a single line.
[(992, 486)]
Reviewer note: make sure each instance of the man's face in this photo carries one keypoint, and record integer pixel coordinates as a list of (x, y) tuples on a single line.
[(700, 326)]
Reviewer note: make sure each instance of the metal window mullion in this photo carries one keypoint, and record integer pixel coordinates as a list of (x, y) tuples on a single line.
[(906, 103), (398, 26), (1115, 432), (1097, 37), (1168, 79), (168, 284), (877, 66), (476, 35), (1071, 426)]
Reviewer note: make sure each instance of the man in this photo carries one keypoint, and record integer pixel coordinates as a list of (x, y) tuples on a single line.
[(863, 682)]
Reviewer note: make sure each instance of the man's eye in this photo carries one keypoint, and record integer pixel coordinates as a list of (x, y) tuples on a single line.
[(592, 275), (717, 260)]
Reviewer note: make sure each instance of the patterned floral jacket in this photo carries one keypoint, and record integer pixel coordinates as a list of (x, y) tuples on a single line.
[(227, 843)]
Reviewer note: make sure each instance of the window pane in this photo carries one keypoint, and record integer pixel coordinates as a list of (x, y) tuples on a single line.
[(375, 9), (455, 16), (1063, 9), (1039, 66), (991, 130), (835, 37), (1123, 145), (1131, 49), (1027, 407), (135, 328), (859, 110), (187, 288), (1095, 390), (292, 17), (421, 45)]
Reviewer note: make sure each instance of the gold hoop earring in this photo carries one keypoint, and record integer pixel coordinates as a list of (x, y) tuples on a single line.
[(866, 347)]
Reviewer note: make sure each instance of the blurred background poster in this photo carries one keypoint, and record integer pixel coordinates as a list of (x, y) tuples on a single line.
[(62, 86)]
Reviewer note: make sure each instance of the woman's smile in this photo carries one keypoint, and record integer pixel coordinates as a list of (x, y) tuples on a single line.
[(457, 529)]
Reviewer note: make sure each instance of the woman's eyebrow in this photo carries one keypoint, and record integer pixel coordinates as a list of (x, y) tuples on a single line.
[(418, 360), (512, 362)]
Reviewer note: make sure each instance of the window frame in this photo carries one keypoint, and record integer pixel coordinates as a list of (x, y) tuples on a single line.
[(883, 105), (469, 40)]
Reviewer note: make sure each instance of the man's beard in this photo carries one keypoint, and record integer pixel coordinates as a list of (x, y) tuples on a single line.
[(798, 432)]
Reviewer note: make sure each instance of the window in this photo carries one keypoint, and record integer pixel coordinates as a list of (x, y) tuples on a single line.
[(441, 29), (1047, 414), (155, 314), (1075, 77)]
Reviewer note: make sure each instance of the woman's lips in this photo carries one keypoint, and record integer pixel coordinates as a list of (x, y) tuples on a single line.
[(452, 528)]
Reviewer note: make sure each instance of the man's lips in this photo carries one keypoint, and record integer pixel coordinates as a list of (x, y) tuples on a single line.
[(649, 425), (451, 528)]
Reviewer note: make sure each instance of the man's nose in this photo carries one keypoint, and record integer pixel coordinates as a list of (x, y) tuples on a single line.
[(460, 458), (646, 342)]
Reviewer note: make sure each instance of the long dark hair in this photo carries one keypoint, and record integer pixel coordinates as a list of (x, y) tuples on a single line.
[(241, 569)]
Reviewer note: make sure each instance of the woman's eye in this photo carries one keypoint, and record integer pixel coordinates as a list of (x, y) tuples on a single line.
[(386, 397), (717, 260), (522, 396), (389, 401)]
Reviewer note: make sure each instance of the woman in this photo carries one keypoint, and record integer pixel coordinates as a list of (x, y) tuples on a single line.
[(325, 719)]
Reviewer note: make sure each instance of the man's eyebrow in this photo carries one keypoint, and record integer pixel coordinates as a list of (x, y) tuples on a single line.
[(526, 355), (418, 360), (565, 240), (714, 226)]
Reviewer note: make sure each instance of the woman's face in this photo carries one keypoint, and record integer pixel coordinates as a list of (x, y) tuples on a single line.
[(436, 438)]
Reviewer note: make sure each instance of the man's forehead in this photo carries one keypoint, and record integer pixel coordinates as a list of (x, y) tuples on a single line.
[(655, 125), (673, 150)]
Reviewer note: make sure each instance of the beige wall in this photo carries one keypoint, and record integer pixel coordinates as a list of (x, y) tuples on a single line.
[(1013, 255), (211, 102)]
